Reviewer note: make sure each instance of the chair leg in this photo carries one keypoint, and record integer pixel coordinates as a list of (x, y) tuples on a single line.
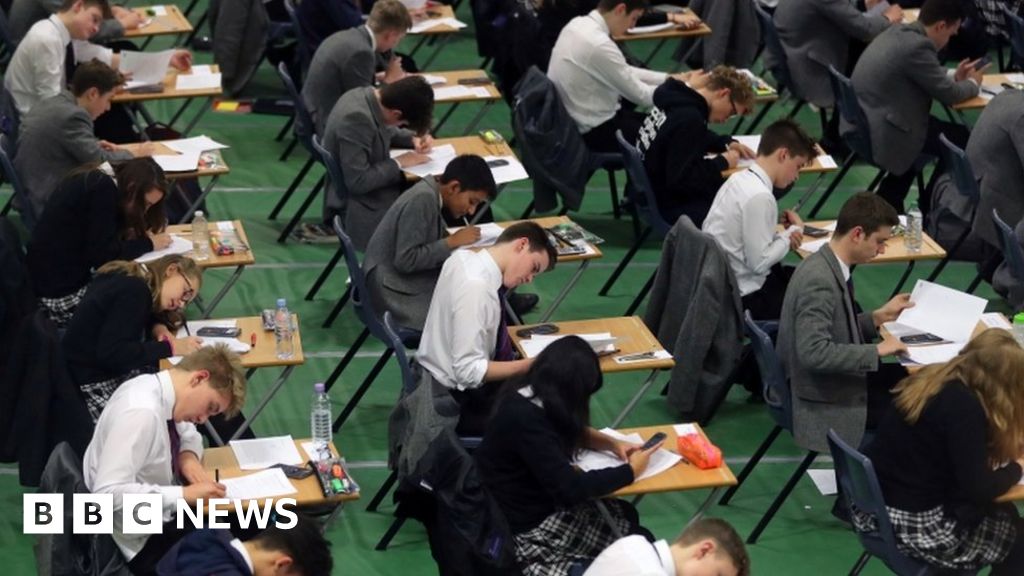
[(325, 274), (390, 534), (877, 180), (796, 109), (847, 164), (974, 284), (616, 210), (337, 307), (949, 255), (346, 359), (625, 261), (804, 465), (641, 295), (301, 211), (749, 467), (528, 211), (288, 150), (284, 129), (350, 406), (760, 116), (291, 188), (861, 563), (383, 491), (7, 207)]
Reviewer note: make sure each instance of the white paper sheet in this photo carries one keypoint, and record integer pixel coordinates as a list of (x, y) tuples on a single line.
[(233, 344), (443, 93), (440, 156), (225, 225), (429, 23), (511, 172), (1015, 78), (431, 79), (752, 141), (684, 429), (194, 144), (197, 81), (260, 453), (996, 320), (263, 484), (314, 454), (824, 481), (651, 29), (159, 10), (936, 354), (661, 460), (201, 69), (145, 67), (489, 233), (178, 162), (178, 245), (814, 245), (600, 342), (945, 312)]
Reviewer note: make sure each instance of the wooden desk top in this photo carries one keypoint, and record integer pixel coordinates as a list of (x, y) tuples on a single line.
[(981, 327), (222, 458), (438, 11), (243, 258), (471, 145), (633, 337), (675, 32), (987, 81), (815, 167), (173, 22), (682, 476), (263, 354), (910, 15), (895, 249), (170, 90), (452, 79), (218, 169)]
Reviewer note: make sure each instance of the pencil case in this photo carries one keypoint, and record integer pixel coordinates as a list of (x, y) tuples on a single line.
[(698, 451)]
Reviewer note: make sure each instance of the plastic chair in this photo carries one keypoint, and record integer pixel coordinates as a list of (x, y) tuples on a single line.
[(1012, 251), (966, 184), (304, 132), (1015, 28), (776, 63), (303, 52), (860, 489), (645, 208), (27, 210), (775, 386), (334, 175)]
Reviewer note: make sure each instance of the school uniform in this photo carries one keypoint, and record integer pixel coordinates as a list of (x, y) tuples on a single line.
[(674, 142), (405, 255), (207, 552), (107, 339), (80, 231), (318, 19), (634, 556), (995, 151), (134, 450), (24, 13)]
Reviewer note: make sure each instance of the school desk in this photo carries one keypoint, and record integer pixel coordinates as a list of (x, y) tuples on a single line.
[(988, 82), (437, 35), (211, 165), (981, 327), (171, 22), (239, 260), (171, 92), (452, 78), (633, 337), (663, 36)]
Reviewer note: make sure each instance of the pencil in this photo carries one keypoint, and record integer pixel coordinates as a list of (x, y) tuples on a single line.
[(216, 475)]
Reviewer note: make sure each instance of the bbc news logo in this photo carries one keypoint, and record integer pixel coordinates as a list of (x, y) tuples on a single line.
[(143, 514)]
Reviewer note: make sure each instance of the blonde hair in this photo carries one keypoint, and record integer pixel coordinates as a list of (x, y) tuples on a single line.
[(154, 273), (740, 90), (389, 16), (226, 373), (992, 367)]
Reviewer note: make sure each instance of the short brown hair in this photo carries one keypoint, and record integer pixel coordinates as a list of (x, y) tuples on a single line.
[(95, 74), (389, 16), (727, 540), (740, 90), (103, 5), (226, 373), (414, 98), (786, 133), (867, 210), (536, 237)]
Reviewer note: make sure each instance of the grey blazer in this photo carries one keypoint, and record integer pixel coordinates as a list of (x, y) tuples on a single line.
[(826, 350), (361, 142), (56, 137), (816, 34), (345, 60), (996, 153), (896, 79), (405, 255), (25, 13), (240, 29)]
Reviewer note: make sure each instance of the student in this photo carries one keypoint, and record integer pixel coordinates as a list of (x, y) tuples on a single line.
[(352, 58), (363, 126), (24, 13), (146, 442), (896, 79), (675, 140), (297, 551), (743, 218), (826, 346), (707, 547), (95, 216), (57, 135), (465, 346), (951, 446), (42, 64), (526, 459), (591, 74), (318, 19), (406, 252), (125, 322)]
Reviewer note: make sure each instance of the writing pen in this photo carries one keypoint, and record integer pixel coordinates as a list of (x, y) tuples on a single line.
[(637, 356), (216, 475)]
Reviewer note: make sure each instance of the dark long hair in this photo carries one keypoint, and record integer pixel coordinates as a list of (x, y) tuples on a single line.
[(135, 178), (563, 377)]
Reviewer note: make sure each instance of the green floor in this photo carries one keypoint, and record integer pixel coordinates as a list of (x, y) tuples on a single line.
[(803, 539)]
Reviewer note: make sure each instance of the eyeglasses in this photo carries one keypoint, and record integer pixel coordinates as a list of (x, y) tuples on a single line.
[(735, 112), (190, 292)]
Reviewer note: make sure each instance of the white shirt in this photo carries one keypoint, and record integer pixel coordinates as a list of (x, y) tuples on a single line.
[(743, 220), (461, 330), (591, 74), (130, 451), (36, 71), (634, 556), (237, 545)]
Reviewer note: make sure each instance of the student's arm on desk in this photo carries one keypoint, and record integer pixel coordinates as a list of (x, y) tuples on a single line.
[(354, 142), (812, 331), (497, 371), (78, 139), (417, 246)]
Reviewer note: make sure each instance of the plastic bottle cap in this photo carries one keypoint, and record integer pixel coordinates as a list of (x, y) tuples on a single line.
[(281, 303), (198, 214), (1019, 318), (318, 387)]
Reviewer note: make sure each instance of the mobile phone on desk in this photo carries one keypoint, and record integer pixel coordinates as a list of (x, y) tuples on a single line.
[(497, 163), (476, 81), (218, 332), (540, 329), (653, 441), (814, 232), (146, 89)]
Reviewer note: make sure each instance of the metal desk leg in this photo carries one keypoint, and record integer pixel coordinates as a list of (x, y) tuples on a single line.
[(608, 518), (263, 403), (903, 279), (448, 114), (687, 54), (655, 51), (712, 497), (187, 217), (419, 44), (565, 291), (135, 110), (810, 192), (636, 398), (181, 110), (213, 433), (223, 291), (203, 108), (441, 41), (333, 515), (479, 116)]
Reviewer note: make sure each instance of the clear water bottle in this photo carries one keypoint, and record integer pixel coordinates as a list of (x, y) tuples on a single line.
[(1018, 328), (283, 332), (913, 236), (320, 419), (200, 236)]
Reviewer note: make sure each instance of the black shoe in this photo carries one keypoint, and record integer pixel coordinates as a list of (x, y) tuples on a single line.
[(202, 44), (522, 303)]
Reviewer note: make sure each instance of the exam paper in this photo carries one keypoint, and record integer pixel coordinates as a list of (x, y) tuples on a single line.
[(815, 245), (489, 233), (233, 344), (459, 91), (429, 23), (600, 342), (159, 10), (194, 144), (197, 81), (651, 29), (935, 354), (263, 484), (261, 453), (145, 67), (178, 245), (186, 162), (661, 460), (432, 79), (510, 172), (945, 312), (440, 156)]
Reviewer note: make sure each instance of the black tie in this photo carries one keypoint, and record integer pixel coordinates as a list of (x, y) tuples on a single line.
[(172, 433), (503, 350), (69, 62), (851, 307)]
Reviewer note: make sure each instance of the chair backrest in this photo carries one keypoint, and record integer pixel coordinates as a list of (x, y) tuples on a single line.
[(10, 118), (849, 107), (960, 170), (1015, 28), (775, 57), (360, 300), (7, 43), (774, 385), (303, 121), (394, 341), (1012, 251), (640, 187), (27, 210), (304, 53), (334, 173)]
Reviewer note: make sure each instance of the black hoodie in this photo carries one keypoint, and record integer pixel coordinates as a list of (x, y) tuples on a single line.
[(674, 140)]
